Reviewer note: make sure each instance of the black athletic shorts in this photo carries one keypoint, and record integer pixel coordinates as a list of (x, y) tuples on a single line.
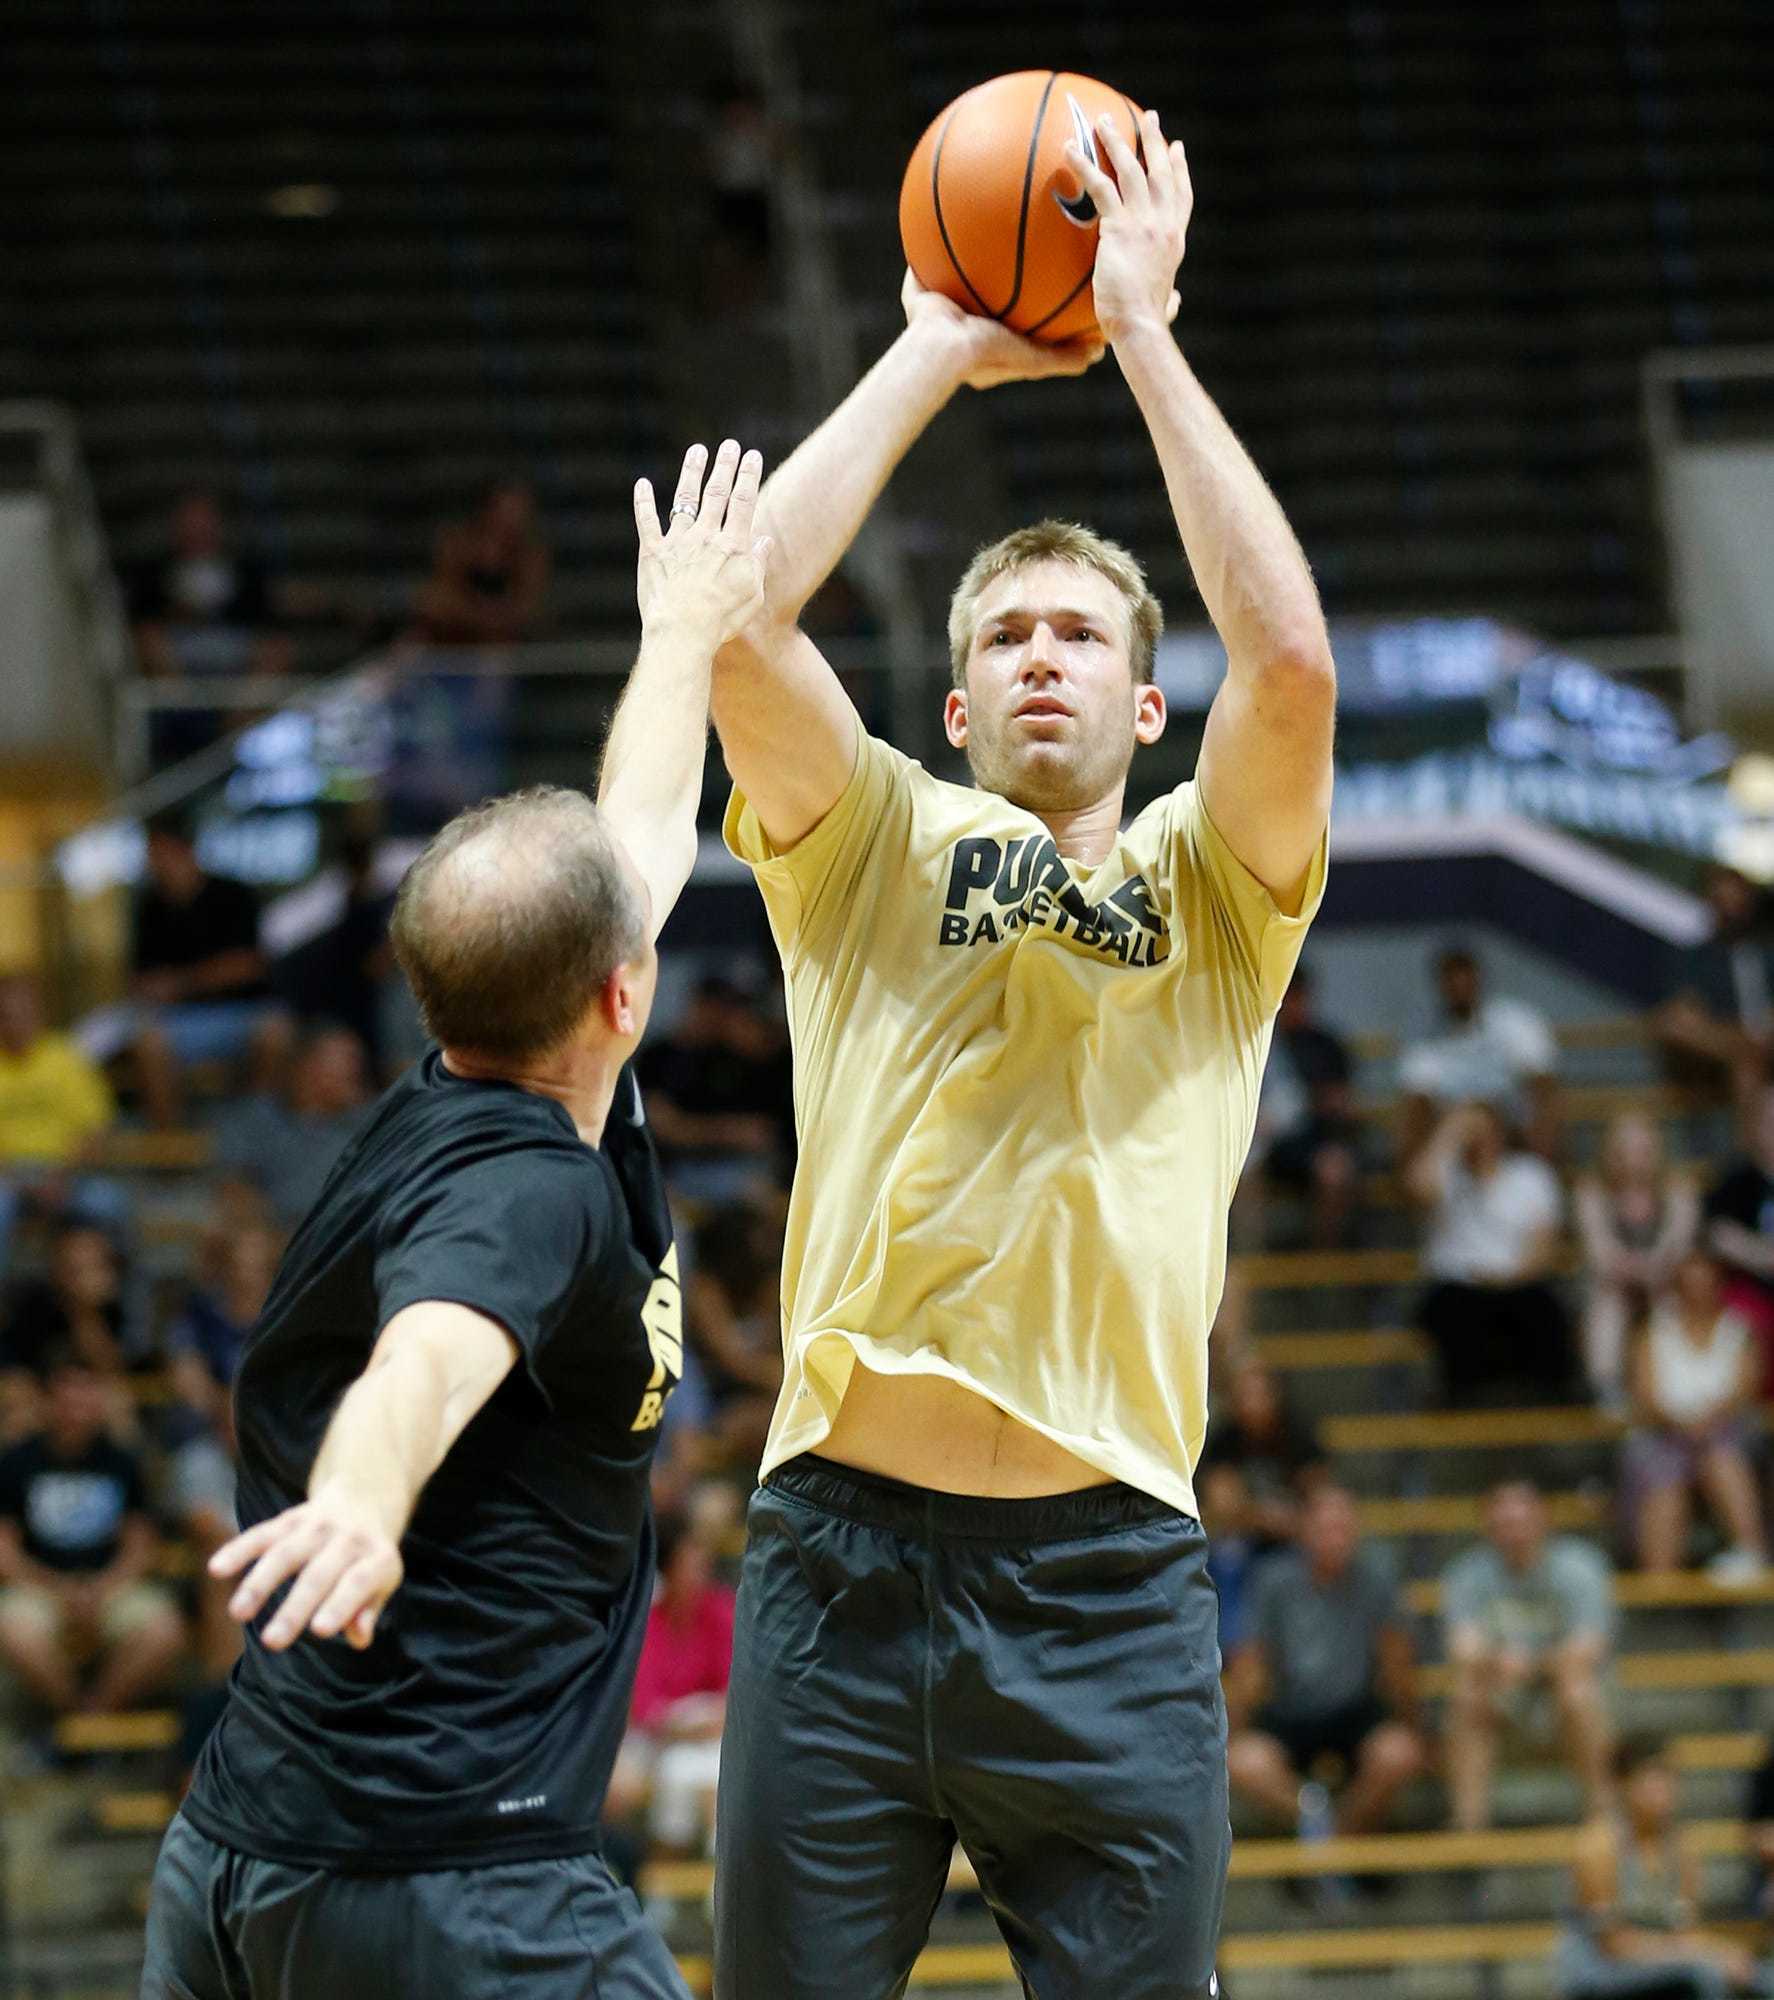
[(1338, 1732), (1038, 1679), (225, 1926)]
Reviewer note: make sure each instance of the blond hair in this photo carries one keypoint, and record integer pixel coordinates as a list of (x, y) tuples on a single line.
[(1057, 541)]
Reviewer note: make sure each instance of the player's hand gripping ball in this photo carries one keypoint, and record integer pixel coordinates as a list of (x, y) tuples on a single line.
[(994, 217)]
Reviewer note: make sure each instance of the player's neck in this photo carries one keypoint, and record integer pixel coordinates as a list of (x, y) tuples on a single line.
[(1088, 834), (581, 1079)]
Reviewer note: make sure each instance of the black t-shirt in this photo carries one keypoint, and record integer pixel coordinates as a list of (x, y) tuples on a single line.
[(482, 1722), (71, 1510), (170, 936), (1746, 1196)]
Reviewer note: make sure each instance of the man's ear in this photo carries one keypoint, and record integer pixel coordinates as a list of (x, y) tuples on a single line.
[(954, 717), (1149, 712), (619, 1001)]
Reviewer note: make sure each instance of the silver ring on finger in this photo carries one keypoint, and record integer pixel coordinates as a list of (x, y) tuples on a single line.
[(683, 507)]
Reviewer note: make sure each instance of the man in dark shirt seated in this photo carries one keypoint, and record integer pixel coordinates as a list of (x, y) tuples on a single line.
[(1716, 1030), (198, 974), (1313, 1146), (720, 1094), (1325, 1670), (76, 1551)]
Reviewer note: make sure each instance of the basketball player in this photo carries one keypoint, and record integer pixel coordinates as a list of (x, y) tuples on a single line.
[(1028, 1047), (447, 1410)]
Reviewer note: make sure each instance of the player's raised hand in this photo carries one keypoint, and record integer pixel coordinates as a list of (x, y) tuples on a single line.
[(1143, 211), (987, 352), (340, 1563), (703, 572)]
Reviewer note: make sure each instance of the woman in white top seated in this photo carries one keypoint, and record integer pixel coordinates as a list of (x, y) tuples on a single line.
[(1493, 1212), (1695, 1375)]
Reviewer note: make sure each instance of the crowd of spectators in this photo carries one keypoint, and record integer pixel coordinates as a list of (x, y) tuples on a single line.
[(1643, 1286)]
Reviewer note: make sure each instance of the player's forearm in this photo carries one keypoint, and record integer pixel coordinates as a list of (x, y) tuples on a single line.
[(430, 1373), (1247, 562), (816, 501), (650, 783)]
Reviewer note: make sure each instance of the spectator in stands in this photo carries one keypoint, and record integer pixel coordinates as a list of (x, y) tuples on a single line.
[(1232, 1561), (1277, 1455), (741, 148), (1761, 1837), (77, 1550), (1529, 1625), (1497, 1049), (720, 1094), (282, 1145), (81, 1304), (203, 1347), (1696, 1375), (1716, 1030), (1314, 1137), (204, 607), (733, 1309), (54, 1102), (342, 974), (1636, 1220), (490, 574), (1740, 1228), (1493, 1214), (1326, 1669), (671, 1756), (199, 974), (1636, 1929)]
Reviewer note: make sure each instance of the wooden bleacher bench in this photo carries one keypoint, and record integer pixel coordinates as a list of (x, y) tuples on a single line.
[(1379, 1347), (1463, 1513), (1332, 1270), (1579, 1103), (1682, 1590), (129, 1152), (1615, 1031), (1468, 1430), (99, 1735), (1748, 1667)]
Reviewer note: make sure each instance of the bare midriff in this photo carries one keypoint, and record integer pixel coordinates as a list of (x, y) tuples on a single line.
[(931, 1432)]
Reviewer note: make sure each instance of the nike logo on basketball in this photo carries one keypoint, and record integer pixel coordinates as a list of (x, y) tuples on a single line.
[(1079, 208)]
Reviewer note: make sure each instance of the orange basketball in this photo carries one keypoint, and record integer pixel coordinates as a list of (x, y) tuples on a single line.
[(991, 216)]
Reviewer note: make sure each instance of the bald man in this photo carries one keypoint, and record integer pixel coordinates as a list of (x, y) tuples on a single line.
[(448, 1407)]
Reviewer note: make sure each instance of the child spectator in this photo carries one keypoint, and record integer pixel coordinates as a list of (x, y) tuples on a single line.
[(1493, 1211), (1637, 1220), (1325, 1668), (672, 1753), (1529, 1624), (76, 1553), (1695, 1378), (1636, 1929)]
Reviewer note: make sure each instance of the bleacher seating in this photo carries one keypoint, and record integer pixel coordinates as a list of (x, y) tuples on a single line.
[(1430, 247)]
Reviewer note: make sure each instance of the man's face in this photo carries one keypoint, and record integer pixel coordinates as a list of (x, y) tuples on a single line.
[(1051, 715), (76, 1405), (1459, 982), (1516, 1519), (1329, 1532), (21, 1019)]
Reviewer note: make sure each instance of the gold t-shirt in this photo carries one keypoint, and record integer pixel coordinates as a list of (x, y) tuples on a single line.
[(1023, 1089)]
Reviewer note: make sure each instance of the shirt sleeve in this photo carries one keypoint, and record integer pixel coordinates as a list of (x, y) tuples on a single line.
[(1543, 1201), (805, 887), (1419, 1070), (1586, 1585), (1530, 1042), (1464, 1599), (509, 1237), (1264, 943), (86, 1096)]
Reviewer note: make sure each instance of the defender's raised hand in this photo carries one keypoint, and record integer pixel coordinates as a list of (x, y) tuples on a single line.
[(703, 573), (1143, 211)]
